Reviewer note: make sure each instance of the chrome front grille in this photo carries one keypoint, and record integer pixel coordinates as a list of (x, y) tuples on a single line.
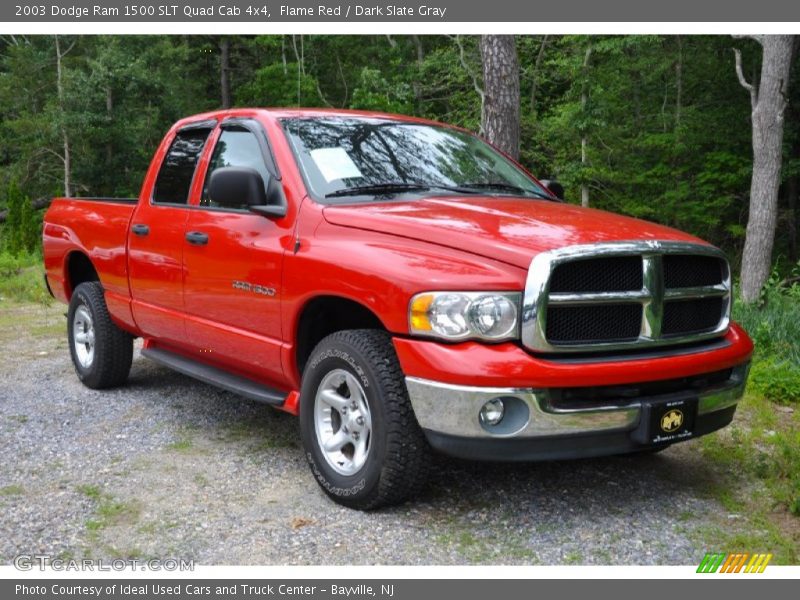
[(621, 295)]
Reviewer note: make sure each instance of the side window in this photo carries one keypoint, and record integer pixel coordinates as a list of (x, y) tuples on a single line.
[(236, 147), (175, 176)]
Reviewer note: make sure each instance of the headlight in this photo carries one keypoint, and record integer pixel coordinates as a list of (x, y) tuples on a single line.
[(465, 315)]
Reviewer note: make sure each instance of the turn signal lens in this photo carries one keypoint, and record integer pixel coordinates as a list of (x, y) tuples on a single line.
[(418, 314)]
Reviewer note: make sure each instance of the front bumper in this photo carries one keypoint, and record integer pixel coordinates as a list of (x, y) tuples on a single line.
[(537, 427)]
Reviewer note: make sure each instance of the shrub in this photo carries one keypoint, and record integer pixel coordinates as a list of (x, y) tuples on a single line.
[(22, 278), (22, 229), (776, 379), (774, 321), (9, 265)]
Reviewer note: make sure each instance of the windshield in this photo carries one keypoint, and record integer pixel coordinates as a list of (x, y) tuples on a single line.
[(347, 157)]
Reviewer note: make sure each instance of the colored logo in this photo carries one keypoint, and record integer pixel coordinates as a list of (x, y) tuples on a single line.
[(734, 563), (671, 421)]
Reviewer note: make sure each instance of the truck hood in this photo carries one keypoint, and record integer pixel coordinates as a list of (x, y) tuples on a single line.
[(506, 229)]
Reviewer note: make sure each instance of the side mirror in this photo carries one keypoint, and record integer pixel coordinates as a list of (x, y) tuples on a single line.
[(236, 186), (556, 188)]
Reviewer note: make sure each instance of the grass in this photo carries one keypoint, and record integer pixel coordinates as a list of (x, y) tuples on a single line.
[(773, 322), (22, 279), (108, 510), (12, 490), (758, 460), (182, 445), (573, 558), (90, 491), (456, 532), (254, 433), (759, 454)]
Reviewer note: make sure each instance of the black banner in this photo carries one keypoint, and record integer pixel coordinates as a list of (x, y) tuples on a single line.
[(401, 589), (451, 11)]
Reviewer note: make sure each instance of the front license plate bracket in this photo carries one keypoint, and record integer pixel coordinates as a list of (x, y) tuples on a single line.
[(666, 420)]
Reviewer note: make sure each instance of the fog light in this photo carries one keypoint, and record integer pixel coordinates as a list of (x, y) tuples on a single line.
[(492, 412)]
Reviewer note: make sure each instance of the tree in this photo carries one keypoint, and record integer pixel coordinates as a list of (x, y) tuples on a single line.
[(66, 155), (663, 117), (225, 71), (22, 227), (584, 137), (12, 232), (500, 117), (768, 101)]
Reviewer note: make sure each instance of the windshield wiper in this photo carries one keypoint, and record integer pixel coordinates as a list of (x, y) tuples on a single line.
[(396, 187), (378, 188), (499, 185)]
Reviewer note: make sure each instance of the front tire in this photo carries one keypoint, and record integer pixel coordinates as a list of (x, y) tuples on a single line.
[(101, 352), (361, 437)]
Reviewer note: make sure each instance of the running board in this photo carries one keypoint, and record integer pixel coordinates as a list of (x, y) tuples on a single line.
[(216, 377)]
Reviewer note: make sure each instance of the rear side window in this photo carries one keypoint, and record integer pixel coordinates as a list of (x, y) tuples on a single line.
[(175, 177), (237, 147)]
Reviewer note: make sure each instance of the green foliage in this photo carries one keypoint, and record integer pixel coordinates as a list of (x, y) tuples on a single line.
[(22, 279), (774, 325), (374, 92), (10, 265), (762, 445), (776, 379), (276, 85), (20, 234), (774, 322), (666, 123)]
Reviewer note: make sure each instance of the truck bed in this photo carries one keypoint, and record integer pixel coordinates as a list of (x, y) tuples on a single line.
[(96, 226)]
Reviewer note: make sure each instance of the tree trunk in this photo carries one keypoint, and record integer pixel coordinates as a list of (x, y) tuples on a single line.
[(462, 57), (535, 75), (417, 86), (225, 71), (500, 114), (298, 55), (792, 193), (768, 102), (110, 116), (64, 136), (678, 88), (584, 138)]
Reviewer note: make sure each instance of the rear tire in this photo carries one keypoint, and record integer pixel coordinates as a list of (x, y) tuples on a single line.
[(101, 352), (362, 440)]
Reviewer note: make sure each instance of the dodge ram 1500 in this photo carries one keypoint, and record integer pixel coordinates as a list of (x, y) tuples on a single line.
[(402, 287)]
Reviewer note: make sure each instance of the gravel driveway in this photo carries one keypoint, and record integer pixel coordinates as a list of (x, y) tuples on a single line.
[(170, 467)]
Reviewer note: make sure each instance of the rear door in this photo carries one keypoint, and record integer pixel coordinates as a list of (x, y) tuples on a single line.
[(156, 238), (233, 260)]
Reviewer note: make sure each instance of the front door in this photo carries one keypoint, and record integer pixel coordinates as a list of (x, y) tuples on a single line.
[(233, 260)]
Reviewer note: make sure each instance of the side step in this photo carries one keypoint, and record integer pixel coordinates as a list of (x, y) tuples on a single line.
[(216, 377)]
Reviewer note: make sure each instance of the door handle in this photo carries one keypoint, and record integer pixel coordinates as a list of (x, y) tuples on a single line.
[(198, 238), (140, 229)]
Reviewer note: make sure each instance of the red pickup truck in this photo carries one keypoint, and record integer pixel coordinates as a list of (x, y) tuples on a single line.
[(401, 286)]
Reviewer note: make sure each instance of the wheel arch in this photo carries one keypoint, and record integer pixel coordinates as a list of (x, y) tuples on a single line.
[(78, 269), (323, 315)]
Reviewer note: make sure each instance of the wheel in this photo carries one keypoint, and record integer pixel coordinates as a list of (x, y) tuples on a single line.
[(101, 352), (362, 441)]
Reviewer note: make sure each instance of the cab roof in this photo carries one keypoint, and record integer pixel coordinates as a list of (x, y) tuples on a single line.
[(286, 113)]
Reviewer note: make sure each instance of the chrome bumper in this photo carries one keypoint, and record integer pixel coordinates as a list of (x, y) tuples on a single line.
[(453, 409)]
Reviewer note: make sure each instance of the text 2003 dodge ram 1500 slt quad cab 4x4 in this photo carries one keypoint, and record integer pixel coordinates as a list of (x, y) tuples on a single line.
[(401, 286)]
